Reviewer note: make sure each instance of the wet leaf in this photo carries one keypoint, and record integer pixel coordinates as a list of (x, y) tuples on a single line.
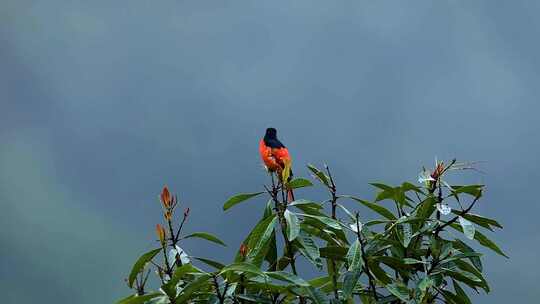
[(293, 225), (206, 236), (238, 199), (139, 265), (468, 228), (299, 183)]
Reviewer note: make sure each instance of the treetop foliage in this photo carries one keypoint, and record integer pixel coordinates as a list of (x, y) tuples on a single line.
[(418, 249)]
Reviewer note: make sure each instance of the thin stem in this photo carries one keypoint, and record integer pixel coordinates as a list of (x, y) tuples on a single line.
[(242, 287), (145, 278), (174, 239), (168, 269), (333, 201), (157, 266), (177, 236), (219, 295), (333, 192), (438, 214), (139, 286), (440, 228), (366, 267), (280, 210)]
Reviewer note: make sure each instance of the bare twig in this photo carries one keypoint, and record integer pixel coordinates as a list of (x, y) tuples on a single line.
[(333, 201)]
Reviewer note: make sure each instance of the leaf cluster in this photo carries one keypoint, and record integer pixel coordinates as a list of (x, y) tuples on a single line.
[(417, 250)]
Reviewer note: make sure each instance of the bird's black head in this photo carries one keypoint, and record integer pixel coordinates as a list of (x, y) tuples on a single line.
[(271, 133), (270, 139)]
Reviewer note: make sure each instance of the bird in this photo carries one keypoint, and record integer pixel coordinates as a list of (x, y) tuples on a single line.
[(276, 157)]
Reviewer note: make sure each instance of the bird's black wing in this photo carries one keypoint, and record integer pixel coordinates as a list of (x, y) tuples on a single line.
[(273, 143)]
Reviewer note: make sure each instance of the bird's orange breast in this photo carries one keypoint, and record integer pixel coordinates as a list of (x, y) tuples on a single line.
[(273, 158)]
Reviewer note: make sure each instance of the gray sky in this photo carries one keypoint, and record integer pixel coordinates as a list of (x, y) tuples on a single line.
[(102, 104)]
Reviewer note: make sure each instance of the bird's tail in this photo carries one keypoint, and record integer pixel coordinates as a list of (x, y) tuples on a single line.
[(290, 195)]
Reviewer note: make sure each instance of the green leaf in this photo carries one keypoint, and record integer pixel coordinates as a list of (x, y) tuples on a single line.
[(459, 244), (395, 262), (268, 210), (382, 186), (287, 277), (139, 265), (349, 214), (259, 240), (320, 281), (446, 249), (411, 261), (309, 249), (396, 194), (460, 256), (302, 203), (349, 282), (134, 299), (375, 207), (474, 190), (260, 283), (406, 186), (319, 175), (206, 236), (242, 267), (332, 267), (354, 257), (312, 227), (426, 208), (376, 222), (184, 269), (483, 240), (327, 221), (407, 234), (368, 299), (192, 287), (399, 290), (212, 263), (299, 183), (425, 283), (479, 220), (450, 297), (465, 277), (379, 273), (228, 293), (316, 295), (333, 252), (170, 287), (271, 254), (468, 228), (283, 262), (460, 293), (469, 268), (293, 225), (238, 199), (254, 298), (385, 194)]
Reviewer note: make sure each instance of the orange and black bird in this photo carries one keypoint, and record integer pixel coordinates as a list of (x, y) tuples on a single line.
[(276, 156)]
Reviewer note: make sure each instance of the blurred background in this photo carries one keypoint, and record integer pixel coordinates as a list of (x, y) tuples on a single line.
[(102, 103)]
